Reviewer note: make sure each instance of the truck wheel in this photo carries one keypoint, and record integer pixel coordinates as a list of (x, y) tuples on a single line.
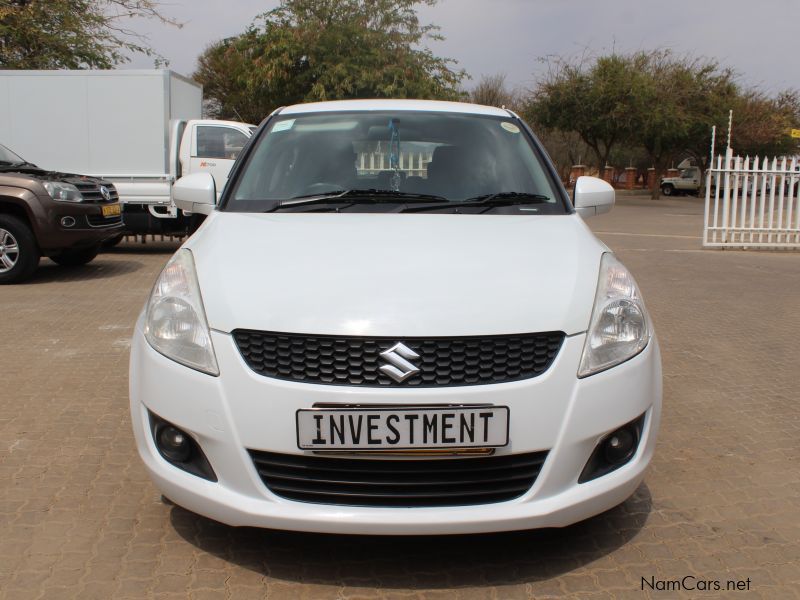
[(73, 258), (19, 254), (668, 189)]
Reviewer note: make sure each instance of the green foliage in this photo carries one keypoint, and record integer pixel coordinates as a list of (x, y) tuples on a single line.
[(591, 99), (315, 50), (677, 102), (761, 124), (660, 104), (71, 34), (491, 90)]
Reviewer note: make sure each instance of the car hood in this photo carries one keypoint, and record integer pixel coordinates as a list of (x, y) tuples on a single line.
[(34, 172), (396, 274)]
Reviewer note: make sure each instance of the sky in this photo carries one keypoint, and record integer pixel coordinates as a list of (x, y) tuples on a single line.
[(760, 39)]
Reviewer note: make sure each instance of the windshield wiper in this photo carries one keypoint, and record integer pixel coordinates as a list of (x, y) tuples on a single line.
[(487, 200), (372, 196)]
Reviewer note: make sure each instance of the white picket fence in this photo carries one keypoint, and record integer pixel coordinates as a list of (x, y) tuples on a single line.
[(752, 203)]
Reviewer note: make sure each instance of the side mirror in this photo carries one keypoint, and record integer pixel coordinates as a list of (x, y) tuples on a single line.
[(592, 196), (195, 193)]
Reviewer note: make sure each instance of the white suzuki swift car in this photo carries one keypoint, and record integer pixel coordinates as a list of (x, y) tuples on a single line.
[(395, 322)]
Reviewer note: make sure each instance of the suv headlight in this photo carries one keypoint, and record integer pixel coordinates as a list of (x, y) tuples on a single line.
[(175, 320), (63, 192), (620, 326)]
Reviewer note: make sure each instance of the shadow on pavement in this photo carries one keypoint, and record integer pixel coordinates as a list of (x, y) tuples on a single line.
[(418, 562), (49, 272), (158, 247)]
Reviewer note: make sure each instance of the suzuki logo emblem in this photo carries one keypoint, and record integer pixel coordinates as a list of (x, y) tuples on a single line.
[(399, 368)]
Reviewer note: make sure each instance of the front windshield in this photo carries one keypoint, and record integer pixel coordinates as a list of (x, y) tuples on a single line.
[(445, 156), (7, 157)]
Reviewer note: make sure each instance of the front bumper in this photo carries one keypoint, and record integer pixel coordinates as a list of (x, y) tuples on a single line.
[(90, 227), (242, 410)]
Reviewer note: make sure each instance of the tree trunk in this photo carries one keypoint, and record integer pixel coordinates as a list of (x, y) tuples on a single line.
[(655, 193)]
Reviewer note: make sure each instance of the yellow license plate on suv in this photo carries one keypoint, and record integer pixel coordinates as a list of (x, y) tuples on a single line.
[(112, 210)]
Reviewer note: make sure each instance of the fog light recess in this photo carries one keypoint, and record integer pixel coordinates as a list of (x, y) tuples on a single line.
[(613, 451), (174, 444), (67, 222), (179, 448)]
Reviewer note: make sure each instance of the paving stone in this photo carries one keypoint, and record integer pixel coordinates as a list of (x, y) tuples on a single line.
[(80, 519)]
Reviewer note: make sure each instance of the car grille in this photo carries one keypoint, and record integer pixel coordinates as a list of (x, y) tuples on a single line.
[(398, 483), (101, 221), (91, 192), (357, 361)]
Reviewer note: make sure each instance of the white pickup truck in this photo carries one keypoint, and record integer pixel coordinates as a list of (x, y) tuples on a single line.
[(688, 181), (140, 129)]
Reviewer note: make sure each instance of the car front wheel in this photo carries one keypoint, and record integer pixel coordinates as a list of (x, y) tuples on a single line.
[(19, 254), (73, 258)]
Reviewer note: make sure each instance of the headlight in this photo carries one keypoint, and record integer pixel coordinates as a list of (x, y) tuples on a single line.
[(63, 192), (175, 321), (620, 327)]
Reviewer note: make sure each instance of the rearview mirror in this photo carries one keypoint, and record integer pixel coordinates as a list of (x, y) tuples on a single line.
[(592, 196), (195, 193)]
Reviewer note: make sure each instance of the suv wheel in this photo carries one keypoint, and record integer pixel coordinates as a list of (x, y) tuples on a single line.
[(76, 257), (667, 189), (19, 254)]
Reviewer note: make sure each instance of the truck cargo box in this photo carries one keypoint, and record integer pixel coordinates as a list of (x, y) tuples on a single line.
[(96, 122)]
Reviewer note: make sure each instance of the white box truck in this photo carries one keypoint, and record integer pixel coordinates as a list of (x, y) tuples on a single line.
[(140, 129)]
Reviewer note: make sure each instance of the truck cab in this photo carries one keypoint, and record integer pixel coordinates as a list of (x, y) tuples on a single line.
[(688, 181), (211, 146), (195, 146)]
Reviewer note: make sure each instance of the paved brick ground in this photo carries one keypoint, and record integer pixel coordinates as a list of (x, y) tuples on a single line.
[(79, 518)]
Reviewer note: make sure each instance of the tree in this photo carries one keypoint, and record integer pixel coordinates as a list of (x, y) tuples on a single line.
[(565, 149), (660, 103), (72, 34), (491, 90), (761, 124), (314, 50), (679, 99), (676, 101), (589, 98)]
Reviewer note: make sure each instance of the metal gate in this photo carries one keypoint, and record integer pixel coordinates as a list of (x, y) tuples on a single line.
[(752, 202)]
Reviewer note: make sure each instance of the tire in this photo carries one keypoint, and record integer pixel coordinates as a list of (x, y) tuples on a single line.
[(19, 253), (668, 190), (74, 258), (113, 241)]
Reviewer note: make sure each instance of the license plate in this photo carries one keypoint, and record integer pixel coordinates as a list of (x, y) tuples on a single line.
[(111, 210), (402, 428)]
